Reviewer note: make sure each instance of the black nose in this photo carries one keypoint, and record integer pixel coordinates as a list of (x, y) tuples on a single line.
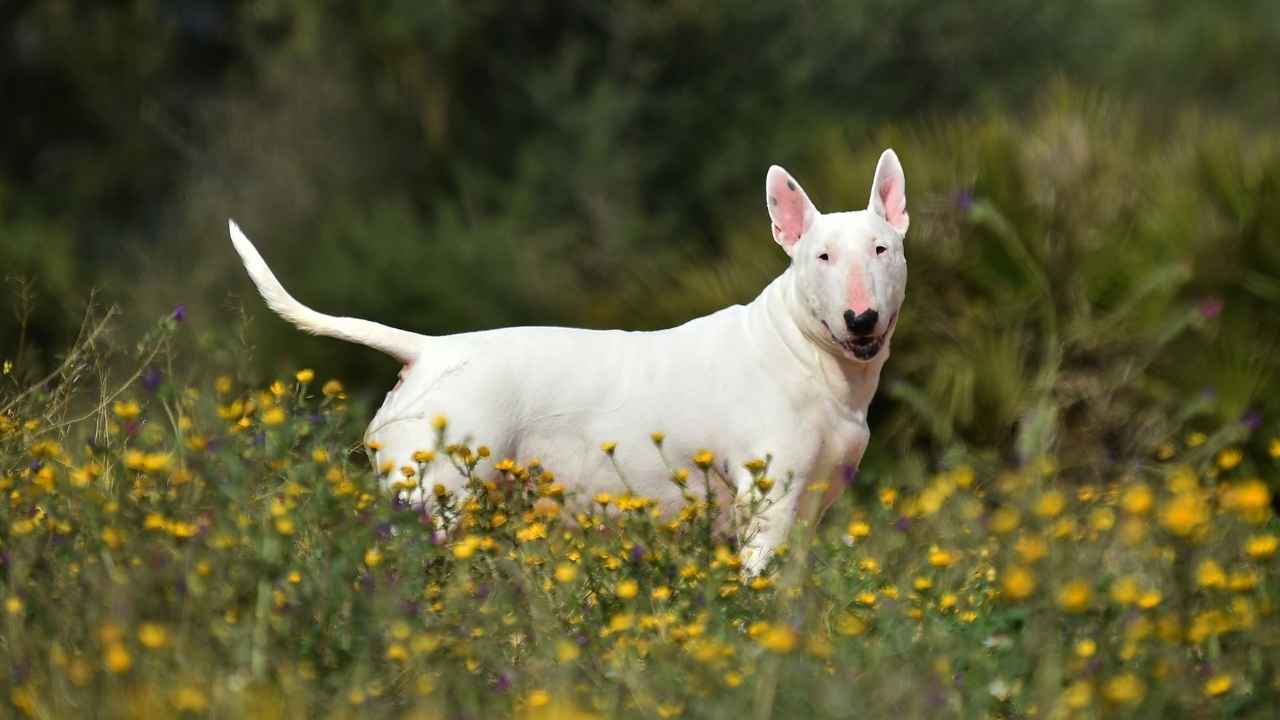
[(863, 324)]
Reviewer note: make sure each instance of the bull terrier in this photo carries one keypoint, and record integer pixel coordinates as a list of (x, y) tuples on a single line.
[(788, 376)]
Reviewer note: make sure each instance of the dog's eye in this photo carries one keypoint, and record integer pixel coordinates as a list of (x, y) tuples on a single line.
[(880, 249), (824, 257)]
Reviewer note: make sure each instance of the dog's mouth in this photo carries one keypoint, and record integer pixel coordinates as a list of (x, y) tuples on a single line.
[(862, 347)]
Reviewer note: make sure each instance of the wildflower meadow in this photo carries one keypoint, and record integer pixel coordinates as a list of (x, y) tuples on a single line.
[(215, 548)]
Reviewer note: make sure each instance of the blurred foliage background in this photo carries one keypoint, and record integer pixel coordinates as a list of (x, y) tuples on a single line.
[(1094, 186)]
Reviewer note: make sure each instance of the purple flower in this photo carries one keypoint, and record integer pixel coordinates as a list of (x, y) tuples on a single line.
[(849, 473), (260, 439), (502, 683), (637, 553), (963, 200), (1252, 420), (1211, 307), (180, 313), (151, 379), (903, 524)]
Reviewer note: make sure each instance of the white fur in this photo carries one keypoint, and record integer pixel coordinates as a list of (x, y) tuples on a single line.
[(777, 376)]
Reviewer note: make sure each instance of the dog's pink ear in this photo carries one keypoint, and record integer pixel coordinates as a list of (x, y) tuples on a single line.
[(889, 192), (789, 208)]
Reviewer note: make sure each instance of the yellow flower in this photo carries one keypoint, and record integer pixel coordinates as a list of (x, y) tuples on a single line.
[(1196, 439), (778, 638), (858, 529), (703, 459), (1124, 689), (285, 525), (1018, 583), (273, 417), (1004, 521), (152, 635), (608, 447), (657, 438), (1184, 514), (1149, 599), (1251, 499), (1209, 574), (373, 557), (850, 624), (305, 375), (189, 699), (466, 547), (566, 572), (764, 484), (567, 651), (888, 496), (1273, 449), (627, 589), (1261, 547), (1086, 648), (1137, 499), (1030, 547), (538, 698), (397, 652), (1075, 596), (941, 558), (670, 710), (1078, 695), (13, 605), (127, 410), (1217, 685), (332, 388), (1242, 580), (603, 499), (1125, 591), (865, 598), (1229, 458), (117, 658), (440, 422), (531, 532), (1050, 504)]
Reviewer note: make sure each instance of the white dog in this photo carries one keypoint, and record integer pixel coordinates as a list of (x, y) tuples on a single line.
[(789, 375)]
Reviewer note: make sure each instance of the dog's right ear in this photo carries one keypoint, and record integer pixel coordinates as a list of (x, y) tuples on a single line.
[(789, 208)]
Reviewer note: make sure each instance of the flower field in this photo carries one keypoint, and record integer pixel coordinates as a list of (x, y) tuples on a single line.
[(218, 549)]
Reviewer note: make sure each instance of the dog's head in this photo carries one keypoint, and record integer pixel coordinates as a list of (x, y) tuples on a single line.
[(851, 274)]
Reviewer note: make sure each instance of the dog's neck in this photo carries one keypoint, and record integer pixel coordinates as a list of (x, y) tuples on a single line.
[(852, 383)]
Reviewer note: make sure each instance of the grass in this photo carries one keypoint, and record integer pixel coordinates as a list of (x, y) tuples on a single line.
[(214, 548)]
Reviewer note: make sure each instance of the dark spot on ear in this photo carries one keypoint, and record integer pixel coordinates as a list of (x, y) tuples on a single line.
[(790, 185), (773, 201)]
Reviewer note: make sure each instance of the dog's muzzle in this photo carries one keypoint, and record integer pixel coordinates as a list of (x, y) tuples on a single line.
[(863, 347)]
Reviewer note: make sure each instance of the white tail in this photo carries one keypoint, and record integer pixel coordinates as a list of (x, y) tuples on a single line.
[(400, 344)]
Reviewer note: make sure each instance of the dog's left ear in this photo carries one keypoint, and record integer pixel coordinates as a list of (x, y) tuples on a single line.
[(889, 192), (790, 209)]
